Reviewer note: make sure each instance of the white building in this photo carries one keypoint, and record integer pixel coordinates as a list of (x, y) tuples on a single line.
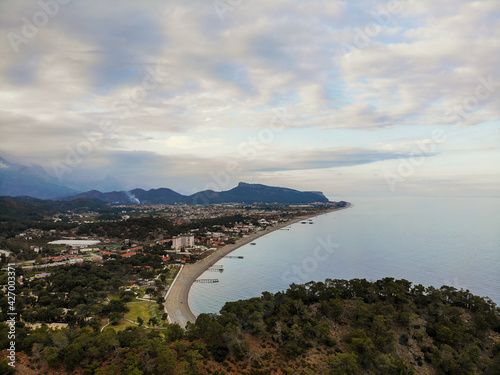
[(75, 243), (182, 241)]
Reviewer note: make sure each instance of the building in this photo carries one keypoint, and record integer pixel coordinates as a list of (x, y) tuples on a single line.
[(182, 241), (75, 243)]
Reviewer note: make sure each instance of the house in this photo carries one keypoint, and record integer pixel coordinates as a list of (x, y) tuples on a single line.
[(42, 275), (107, 253)]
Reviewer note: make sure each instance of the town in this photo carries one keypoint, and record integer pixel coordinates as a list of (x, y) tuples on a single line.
[(91, 269)]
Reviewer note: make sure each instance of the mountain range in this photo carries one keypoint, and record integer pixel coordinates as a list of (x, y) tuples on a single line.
[(33, 181), (243, 193)]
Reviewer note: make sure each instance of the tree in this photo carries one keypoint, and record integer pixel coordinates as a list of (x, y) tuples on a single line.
[(174, 332), (38, 259), (343, 363), (362, 344), (153, 321), (115, 306), (166, 361), (115, 317), (5, 369), (95, 324)]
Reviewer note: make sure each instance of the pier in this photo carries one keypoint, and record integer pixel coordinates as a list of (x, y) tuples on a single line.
[(207, 280), (216, 268)]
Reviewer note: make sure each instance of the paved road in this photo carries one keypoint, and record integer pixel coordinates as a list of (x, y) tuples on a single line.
[(176, 303)]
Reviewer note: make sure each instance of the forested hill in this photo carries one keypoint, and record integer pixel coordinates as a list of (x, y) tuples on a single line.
[(243, 193), (336, 327), (28, 208)]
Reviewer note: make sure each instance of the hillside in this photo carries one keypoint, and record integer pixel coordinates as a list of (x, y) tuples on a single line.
[(243, 193), (28, 208), (336, 327)]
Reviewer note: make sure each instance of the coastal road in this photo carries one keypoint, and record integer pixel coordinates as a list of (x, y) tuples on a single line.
[(176, 301)]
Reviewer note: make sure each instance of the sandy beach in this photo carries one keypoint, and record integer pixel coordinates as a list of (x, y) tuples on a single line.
[(176, 304)]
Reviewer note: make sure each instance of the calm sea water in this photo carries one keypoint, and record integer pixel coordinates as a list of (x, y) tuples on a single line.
[(429, 241)]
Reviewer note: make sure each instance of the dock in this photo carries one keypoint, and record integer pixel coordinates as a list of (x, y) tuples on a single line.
[(216, 268), (206, 280)]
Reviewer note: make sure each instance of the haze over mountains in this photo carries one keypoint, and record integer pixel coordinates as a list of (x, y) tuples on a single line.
[(21, 180), (18, 180)]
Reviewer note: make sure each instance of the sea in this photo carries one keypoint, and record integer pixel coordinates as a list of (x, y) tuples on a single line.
[(430, 241)]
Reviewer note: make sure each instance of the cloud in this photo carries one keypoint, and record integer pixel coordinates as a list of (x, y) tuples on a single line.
[(221, 79), (184, 142), (331, 158)]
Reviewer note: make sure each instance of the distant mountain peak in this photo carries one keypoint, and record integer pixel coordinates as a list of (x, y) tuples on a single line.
[(3, 161), (21, 180)]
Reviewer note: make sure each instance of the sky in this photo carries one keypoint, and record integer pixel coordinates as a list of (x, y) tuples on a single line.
[(349, 98)]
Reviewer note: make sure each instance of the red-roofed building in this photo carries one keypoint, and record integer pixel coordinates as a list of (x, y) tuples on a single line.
[(163, 241), (107, 253)]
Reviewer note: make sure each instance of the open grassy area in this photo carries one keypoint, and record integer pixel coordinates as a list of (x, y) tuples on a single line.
[(146, 310), (122, 324), (143, 309), (140, 308)]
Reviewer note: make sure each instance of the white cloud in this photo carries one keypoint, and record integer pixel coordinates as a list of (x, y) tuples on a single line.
[(422, 66)]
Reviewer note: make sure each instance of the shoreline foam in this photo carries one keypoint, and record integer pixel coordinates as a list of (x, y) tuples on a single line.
[(176, 299)]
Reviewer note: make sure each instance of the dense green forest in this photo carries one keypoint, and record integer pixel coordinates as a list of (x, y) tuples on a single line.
[(83, 289), (332, 327), (28, 208), (20, 213)]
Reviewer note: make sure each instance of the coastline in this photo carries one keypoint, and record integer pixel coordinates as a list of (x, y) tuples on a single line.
[(176, 299)]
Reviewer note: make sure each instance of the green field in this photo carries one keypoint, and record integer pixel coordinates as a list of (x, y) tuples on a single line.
[(140, 308), (145, 310)]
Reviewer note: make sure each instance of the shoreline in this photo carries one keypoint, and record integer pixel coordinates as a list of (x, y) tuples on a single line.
[(176, 300)]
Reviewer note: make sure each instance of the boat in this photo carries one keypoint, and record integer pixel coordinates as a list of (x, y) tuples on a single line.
[(253, 243)]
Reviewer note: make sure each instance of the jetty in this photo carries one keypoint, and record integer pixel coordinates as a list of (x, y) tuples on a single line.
[(206, 280), (216, 268)]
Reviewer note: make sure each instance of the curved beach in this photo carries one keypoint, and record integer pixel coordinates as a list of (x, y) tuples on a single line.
[(176, 300)]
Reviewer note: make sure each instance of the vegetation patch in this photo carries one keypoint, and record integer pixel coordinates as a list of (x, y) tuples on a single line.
[(332, 327)]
